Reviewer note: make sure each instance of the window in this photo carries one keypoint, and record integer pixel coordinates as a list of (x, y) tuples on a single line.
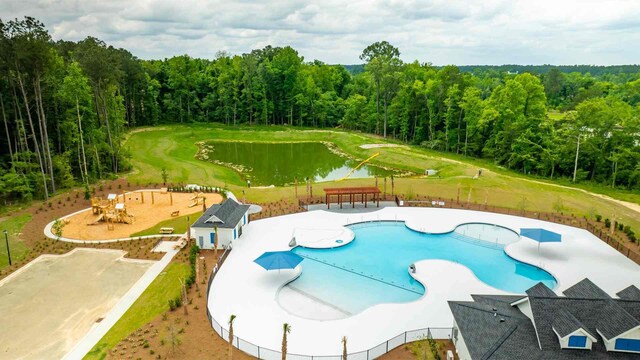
[(577, 341), (201, 241), (235, 233), (212, 237), (628, 345)]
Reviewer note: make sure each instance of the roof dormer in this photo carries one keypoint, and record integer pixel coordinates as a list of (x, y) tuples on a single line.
[(572, 334)]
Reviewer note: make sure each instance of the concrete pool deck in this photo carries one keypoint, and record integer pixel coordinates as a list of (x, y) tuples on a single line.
[(248, 291)]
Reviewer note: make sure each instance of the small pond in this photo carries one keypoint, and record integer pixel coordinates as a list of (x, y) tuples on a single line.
[(281, 163)]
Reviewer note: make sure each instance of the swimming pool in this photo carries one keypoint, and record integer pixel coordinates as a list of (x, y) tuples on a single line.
[(373, 268)]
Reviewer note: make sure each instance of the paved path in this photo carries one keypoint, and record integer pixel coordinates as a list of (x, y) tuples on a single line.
[(100, 329)]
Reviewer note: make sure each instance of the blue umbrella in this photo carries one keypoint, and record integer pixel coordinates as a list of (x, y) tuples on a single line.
[(276, 260), (541, 235)]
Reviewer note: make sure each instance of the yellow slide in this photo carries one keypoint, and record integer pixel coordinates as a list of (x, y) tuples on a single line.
[(357, 167)]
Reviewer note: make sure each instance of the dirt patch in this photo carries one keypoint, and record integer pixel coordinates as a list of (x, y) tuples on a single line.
[(411, 351), (147, 209), (377, 146), (50, 305), (192, 334)]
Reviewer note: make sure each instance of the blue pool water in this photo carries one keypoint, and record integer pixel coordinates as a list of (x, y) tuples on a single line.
[(373, 268)]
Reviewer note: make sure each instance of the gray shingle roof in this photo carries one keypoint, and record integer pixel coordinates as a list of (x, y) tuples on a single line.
[(615, 320), (225, 215), (515, 338), (540, 290), (586, 289), (630, 293), (565, 323)]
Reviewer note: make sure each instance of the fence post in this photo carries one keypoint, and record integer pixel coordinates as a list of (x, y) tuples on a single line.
[(405, 337)]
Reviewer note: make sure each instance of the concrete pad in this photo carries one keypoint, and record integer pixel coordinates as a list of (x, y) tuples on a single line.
[(49, 305)]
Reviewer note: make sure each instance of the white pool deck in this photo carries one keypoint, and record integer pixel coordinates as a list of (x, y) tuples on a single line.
[(246, 290)]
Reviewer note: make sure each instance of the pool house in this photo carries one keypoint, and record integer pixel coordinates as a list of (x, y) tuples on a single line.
[(227, 218)]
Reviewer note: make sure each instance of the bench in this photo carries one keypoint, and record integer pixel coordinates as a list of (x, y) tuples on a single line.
[(166, 230)]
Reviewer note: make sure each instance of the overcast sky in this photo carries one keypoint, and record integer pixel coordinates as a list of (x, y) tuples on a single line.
[(458, 32)]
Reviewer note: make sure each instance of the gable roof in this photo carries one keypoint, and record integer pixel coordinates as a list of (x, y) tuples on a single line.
[(565, 324), (226, 215), (540, 290), (516, 338), (615, 321), (630, 293), (585, 289)]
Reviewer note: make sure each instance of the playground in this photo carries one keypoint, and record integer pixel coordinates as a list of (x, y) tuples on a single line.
[(120, 215), (51, 303)]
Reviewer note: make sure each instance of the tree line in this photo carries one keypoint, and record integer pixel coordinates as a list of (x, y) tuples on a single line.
[(67, 105)]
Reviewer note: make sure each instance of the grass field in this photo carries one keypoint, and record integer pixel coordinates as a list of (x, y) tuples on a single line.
[(152, 303), (179, 225), (173, 147), (18, 249)]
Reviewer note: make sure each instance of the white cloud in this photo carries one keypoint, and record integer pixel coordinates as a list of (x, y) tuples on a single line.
[(335, 31)]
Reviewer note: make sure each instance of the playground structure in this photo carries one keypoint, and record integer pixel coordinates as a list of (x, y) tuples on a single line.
[(136, 211), (110, 211), (197, 199), (359, 165)]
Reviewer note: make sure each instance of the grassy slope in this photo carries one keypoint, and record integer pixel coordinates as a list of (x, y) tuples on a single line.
[(174, 147), (14, 226), (152, 303), (179, 225)]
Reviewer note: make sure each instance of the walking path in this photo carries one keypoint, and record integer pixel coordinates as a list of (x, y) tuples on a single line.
[(100, 329)]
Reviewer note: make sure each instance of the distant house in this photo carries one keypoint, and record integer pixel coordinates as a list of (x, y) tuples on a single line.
[(228, 218), (586, 323)]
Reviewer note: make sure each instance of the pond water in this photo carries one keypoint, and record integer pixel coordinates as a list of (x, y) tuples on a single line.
[(281, 163)]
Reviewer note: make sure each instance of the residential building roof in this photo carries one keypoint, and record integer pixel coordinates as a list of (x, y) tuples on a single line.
[(225, 215), (630, 293), (494, 329), (586, 289)]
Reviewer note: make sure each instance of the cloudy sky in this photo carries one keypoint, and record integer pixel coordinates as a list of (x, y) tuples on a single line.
[(439, 31)]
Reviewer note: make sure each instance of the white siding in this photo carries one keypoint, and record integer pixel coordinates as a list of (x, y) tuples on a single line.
[(461, 347)]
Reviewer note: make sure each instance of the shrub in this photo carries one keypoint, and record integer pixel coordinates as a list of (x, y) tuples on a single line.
[(598, 217), (178, 301), (620, 226), (627, 229), (172, 304), (607, 223)]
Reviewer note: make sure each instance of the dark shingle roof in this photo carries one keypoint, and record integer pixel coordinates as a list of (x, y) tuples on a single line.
[(565, 323), (615, 320), (516, 338), (586, 289), (540, 290), (630, 293), (225, 215)]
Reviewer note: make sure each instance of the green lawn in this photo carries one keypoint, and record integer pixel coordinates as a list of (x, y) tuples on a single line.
[(152, 303), (179, 225), (18, 249), (173, 147)]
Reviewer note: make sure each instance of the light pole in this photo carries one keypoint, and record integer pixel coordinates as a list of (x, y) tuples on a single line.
[(575, 166), (6, 239)]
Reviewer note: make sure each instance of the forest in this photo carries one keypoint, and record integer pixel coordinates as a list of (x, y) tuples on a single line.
[(66, 107)]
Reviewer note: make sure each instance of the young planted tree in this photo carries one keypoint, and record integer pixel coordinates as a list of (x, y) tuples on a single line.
[(344, 348), (231, 320), (286, 329)]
